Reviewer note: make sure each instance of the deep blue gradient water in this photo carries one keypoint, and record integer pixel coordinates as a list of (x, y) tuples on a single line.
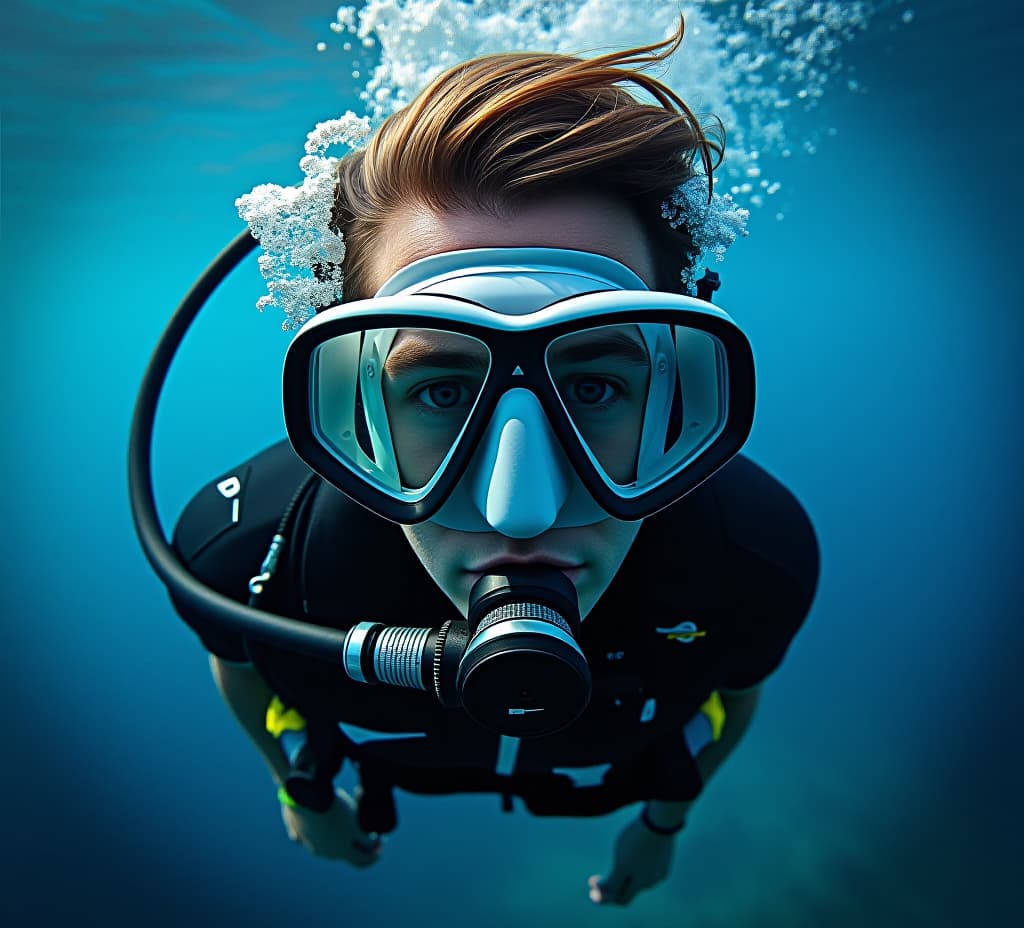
[(879, 784)]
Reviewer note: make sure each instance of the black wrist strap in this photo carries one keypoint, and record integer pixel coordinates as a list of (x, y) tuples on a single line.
[(660, 829)]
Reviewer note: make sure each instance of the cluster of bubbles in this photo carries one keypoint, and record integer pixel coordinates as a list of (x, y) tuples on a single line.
[(714, 223), (301, 259), (748, 63)]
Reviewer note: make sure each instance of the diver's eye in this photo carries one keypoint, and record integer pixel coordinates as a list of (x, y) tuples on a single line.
[(443, 394), (592, 391)]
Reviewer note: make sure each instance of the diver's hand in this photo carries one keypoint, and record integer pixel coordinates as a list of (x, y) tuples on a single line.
[(641, 860), (334, 834)]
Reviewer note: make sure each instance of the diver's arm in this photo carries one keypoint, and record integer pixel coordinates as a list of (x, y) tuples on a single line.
[(247, 696), (334, 834), (642, 854), (739, 708)]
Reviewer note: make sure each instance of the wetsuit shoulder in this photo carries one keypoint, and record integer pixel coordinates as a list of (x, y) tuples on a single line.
[(736, 558), (225, 530), (773, 563), (760, 515)]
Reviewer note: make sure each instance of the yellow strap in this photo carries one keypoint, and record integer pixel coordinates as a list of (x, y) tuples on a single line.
[(715, 712), (280, 719)]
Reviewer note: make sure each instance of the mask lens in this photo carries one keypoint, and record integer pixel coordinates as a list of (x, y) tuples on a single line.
[(645, 399), (391, 404)]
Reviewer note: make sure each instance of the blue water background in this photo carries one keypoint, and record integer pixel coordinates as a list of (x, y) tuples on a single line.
[(879, 784)]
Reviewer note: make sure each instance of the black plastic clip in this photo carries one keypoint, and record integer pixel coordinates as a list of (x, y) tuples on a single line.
[(707, 285)]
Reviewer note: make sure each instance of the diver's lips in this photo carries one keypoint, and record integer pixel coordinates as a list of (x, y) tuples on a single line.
[(495, 564), (499, 565)]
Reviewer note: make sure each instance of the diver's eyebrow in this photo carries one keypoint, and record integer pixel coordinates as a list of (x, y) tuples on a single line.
[(600, 347), (414, 355)]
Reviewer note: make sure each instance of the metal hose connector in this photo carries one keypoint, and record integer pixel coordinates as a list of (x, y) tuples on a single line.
[(398, 656)]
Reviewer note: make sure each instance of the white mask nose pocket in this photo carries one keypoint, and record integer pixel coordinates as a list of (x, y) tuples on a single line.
[(519, 478)]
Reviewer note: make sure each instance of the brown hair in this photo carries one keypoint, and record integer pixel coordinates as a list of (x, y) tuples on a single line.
[(501, 129)]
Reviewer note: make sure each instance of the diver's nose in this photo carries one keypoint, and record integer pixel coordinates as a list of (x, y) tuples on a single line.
[(520, 482)]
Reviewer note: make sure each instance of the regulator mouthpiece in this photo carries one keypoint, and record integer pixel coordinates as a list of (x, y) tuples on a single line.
[(514, 667)]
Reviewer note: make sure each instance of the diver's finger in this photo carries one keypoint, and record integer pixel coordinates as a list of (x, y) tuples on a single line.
[(367, 844), (611, 891), (369, 847), (365, 856), (602, 890)]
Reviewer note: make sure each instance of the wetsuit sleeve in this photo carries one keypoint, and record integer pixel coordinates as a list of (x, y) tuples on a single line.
[(225, 531), (776, 563)]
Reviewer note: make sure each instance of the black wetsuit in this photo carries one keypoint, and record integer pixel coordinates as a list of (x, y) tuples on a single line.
[(737, 558)]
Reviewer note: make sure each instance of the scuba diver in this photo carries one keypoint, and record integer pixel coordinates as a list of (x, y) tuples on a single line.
[(509, 546)]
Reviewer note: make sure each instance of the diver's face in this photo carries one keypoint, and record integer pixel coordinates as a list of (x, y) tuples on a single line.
[(589, 555)]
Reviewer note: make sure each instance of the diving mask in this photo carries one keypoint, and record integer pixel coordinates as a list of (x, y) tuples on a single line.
[(517, 390)]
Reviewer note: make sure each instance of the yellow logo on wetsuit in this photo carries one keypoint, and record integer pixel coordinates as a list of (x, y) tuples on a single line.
[(685, 632)]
